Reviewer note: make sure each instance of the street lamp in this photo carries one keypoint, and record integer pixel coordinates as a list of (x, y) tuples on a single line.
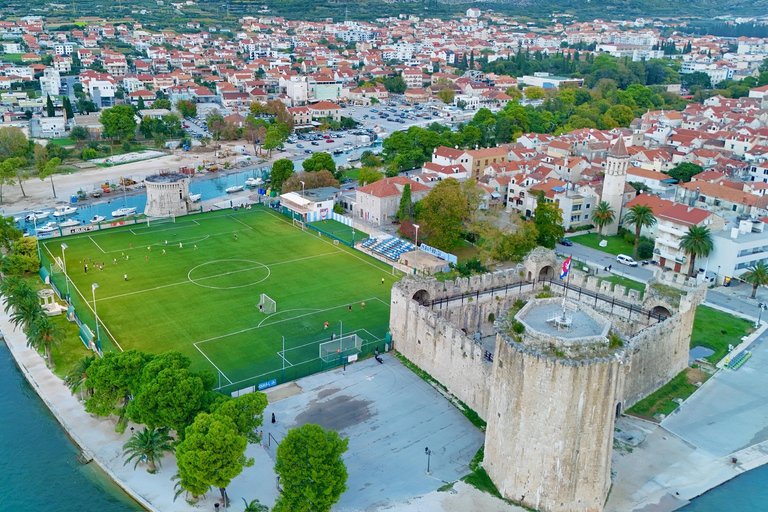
[(64, 264), (302, 189), (717, 277), (98, 337), (763, 306), (417, 234), (428, 453)]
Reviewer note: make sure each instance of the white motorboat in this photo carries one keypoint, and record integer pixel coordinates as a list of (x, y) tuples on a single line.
[(37, 215), (353, 159), (69, 223), (124, 212), (63, 211), (236, 188), (195, 197), (49, 227), (253, 182), (98, 218)]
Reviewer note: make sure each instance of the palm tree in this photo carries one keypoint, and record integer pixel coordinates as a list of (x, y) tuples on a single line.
[(697, 242), (756, 275), (602, 216), (255, 506), (9, 284), (16, 292), (26, 312), (639, 216), (77, 374), (45, 333), (149, 444)]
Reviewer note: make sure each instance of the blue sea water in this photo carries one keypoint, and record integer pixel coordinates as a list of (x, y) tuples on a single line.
[(38, 462), (745, 493)]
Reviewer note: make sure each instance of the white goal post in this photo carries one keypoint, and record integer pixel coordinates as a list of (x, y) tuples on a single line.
[(342, 347), (299, 224), (266, 304), (151, 221)]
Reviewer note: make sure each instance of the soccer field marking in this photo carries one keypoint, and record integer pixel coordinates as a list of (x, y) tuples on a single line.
[(217, 368), (282, 354), (339, 249), (85, 301), (175, 226), (238, 220), (260, 265), (307, 314), (94, 243)]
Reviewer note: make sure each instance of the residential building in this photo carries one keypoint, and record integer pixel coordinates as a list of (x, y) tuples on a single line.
[(378, 202)]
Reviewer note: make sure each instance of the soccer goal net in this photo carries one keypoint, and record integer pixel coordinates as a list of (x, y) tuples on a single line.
[(266, 304), (154, 221), (341, 347), (299, 224)]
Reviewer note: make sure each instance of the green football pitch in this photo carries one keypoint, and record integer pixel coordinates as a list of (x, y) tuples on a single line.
[(195, 285)]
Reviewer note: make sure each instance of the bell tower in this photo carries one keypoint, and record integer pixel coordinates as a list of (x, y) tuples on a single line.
[(614, 182)]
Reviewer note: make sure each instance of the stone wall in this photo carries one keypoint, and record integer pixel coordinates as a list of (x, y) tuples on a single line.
[(550, 430), (441, 349)]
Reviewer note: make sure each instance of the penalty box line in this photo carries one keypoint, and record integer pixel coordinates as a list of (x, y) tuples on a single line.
[(281, 353), (209, 360), (149, 229)]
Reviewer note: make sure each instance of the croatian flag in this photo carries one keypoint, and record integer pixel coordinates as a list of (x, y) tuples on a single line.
[(566, 268)]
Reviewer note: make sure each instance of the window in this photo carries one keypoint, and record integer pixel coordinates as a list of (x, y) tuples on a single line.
[(587, 207)]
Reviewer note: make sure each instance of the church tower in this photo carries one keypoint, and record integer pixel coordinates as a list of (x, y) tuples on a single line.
[(614, 182)]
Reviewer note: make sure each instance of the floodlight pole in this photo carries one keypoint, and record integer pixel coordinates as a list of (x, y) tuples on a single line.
[(37, 242), (64, 264), (98, 336), (417, 234), (283, 358), (302, 190)]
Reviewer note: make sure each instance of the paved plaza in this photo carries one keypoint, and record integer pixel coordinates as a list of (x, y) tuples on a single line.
[(390, 416)]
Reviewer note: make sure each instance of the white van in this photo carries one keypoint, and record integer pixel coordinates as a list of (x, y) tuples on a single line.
[(626, 260)]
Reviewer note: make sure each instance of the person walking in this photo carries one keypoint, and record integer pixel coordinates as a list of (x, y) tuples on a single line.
[(273, 418), (125, 277), (86, 268), (181, 246), (362, 305), (382, 280)]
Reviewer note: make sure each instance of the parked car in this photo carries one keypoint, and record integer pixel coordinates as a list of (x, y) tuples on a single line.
[(299, 146), (565, 242), (315, 143), (626, 260)]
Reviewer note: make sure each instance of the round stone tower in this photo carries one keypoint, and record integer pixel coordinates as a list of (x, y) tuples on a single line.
[(167, 195), (557, 378), (616, 165)]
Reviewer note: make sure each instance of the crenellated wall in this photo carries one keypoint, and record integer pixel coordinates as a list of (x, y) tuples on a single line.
[(550, 419)]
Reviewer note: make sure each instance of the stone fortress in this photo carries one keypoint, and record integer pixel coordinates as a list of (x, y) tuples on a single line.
[(549, 375), (167, 194)]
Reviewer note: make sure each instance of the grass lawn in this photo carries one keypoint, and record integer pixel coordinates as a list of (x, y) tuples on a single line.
[(63, 142), (11, 57), (616, 244), (340, 230), (715, 329), (465, 251), (352, 172), (201, 299), (660, 402)]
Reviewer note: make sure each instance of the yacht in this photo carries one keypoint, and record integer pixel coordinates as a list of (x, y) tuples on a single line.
[(195, 197), (253, 182), (49, 227), (69, 223), (98, 218), (63, 211), (232, 190), (37, 215), (338, 151), (124, 212)]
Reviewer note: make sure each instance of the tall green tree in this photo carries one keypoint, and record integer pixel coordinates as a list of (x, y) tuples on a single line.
[(67, 104), (443, 211), (405, 210), (368, 175), (696, 243), (548, 218), (246, 412), (24, 306), (685, 171), (148, 444), (281, 170), (114, 378), (50, 168), (212, 453), (320, 162), (602, 215), (118, 122), (186, 108), (45, 333), (140, 105), (49, 108), (76, 375), (311, 469), (756, 275), (9, 169), (639, 216), (9, 233)]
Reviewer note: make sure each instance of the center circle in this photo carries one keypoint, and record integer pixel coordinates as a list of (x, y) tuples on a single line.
[(228, 274)]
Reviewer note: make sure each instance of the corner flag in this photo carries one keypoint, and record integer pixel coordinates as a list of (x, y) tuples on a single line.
[(566, 268)]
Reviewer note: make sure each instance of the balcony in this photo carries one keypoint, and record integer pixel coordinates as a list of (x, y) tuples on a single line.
[(668, 242), (664, 228)]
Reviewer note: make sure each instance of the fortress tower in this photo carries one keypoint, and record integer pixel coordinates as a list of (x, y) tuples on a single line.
[(615, 180)]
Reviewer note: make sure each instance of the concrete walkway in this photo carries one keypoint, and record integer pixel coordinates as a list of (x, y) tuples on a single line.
[(98, 440)]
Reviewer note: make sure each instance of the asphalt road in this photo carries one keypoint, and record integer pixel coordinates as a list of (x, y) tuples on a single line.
[(602, 260)]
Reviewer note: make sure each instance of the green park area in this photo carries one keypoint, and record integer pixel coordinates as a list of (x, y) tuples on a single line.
[(713, 329), (339, 230), (195, 286), (616, 244)]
